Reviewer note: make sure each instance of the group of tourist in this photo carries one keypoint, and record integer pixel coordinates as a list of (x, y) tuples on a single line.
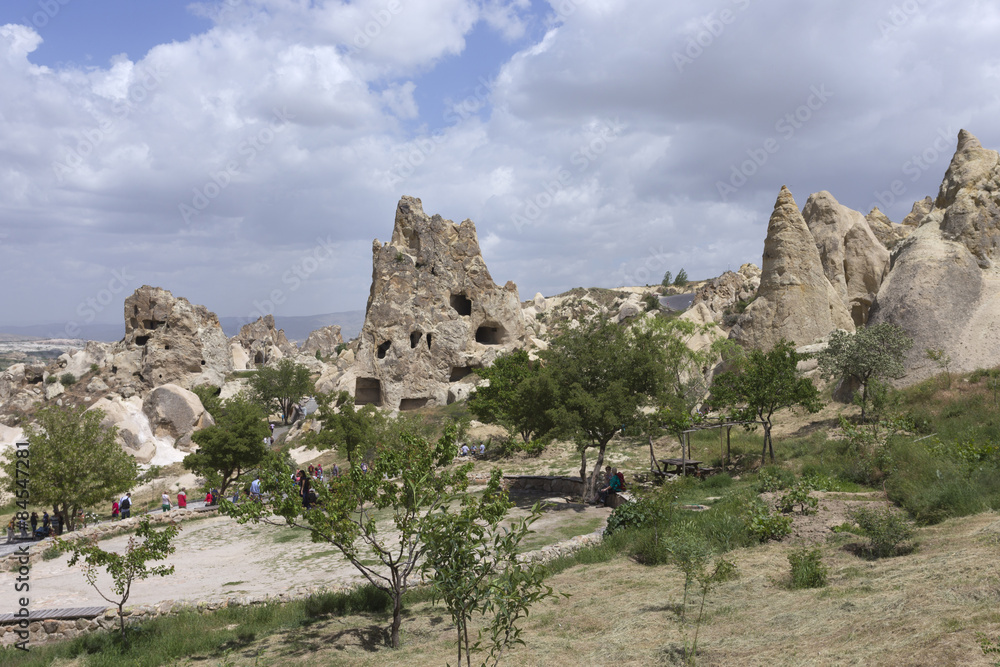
[(465, 450), (613, 481)]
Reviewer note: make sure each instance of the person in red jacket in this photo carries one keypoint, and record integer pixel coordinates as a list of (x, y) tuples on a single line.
[(182, 499)]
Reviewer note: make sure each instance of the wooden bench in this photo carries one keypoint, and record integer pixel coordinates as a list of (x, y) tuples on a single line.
[(683, 466)]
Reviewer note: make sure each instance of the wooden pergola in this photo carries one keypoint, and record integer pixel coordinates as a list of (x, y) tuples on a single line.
[(685, 436)]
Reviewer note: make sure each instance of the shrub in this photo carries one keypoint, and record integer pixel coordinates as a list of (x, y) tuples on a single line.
[(532, 448), (51, 379), (808, 570), (651, 302), (765, 525), (68, 379), (798, 495), (363, 599), (644, 512), (886, 529), (94, 368), (773, 478)]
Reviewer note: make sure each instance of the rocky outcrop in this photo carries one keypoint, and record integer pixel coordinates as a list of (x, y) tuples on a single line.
[(434, 314), (918, 211), (722, 295), (175, 413), (325, 341), (944, 286), (263, 343), (168, 340), (854, 260), (795, 300), (134, 433), (886, 231)]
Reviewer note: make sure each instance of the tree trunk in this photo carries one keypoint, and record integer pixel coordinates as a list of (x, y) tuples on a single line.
[(397, 616), (591, 489), (583, 473)]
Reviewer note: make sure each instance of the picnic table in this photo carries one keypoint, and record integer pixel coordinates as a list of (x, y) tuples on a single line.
[(683, 466)]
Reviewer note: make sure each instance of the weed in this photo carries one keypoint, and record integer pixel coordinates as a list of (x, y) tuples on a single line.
[(887, 530), (808, 570)]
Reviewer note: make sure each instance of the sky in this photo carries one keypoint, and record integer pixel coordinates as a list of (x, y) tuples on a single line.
[(245, 153)]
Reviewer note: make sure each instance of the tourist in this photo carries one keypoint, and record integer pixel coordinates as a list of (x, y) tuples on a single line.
[(464, 451), (165, 502), (57, 522), (34, 522), (336, 471), (614, 486), (115, 511), (208, 498), (305, 488), (45, 520), (182, 499), (255, 489), (482, 449), (125, 505)]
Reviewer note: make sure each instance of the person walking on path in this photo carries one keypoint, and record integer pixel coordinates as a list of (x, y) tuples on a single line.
[(182, 499), (34, 522), (255, 489), (165, 502), (125, 505), (115, 511)]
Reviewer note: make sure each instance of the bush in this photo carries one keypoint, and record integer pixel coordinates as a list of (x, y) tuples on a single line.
[(532, 448), (644, 512), (808, 570), (764, 525), (68, 379), (51, 379), (94, 368), (798, 495), (886, 529), (773, 478)]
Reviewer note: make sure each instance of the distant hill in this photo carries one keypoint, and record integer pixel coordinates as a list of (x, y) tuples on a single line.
[(296, 328)]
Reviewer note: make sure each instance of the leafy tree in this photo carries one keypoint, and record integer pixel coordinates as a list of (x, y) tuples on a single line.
[(232, 446), (75, 462), (409, 478), (345, 427), (471, 562), (518, 396), (667, 279), (128, 567), (872, 353), (682, 278), (605, 374), (760, 384), (280, 386), (209, 397)]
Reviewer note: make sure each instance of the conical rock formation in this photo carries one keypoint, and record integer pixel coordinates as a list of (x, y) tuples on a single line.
[(795, 300)]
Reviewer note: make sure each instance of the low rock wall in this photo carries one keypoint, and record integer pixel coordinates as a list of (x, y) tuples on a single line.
[(569, 486)]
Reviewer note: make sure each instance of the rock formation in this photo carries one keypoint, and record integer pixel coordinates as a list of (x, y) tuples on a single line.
[(175, 413), (434, 314), (886, 231), (168, 340), (262, 343), (944, 286), (854, 260), (917, 213), (795, 300), (325, 341), (723, 294)]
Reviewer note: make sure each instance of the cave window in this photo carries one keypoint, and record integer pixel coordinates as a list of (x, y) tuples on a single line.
[(383, 348), (489, 335), (459, 372), (167, 347), (368, 391), (415, 338), (429, 341), (258, 358), (412, 403), (461, 304), (202, 362), (141, 340)]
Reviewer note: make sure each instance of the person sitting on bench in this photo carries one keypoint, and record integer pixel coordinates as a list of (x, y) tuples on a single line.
[(614, 486)]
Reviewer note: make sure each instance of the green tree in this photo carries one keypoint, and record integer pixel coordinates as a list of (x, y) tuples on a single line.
[(280, 386), (232, 446), (667, 279), (682, 278), (209, 397), (471, 562), (75, 462), (606, 374), (872, 353), (375, 518), (129, 567), (345, 427), (518, 396), (760, 384)]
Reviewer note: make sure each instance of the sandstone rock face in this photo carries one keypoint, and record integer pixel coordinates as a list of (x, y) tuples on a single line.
[(917, 213), (726, 291), (134, 434), (854, 260), (324, 341), (795, 300), (175, 413), (434, 313), (886, 231), (264, 343), (168, 340), (944, 286)]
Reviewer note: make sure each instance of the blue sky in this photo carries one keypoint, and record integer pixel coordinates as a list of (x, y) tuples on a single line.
[(245, 153)]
